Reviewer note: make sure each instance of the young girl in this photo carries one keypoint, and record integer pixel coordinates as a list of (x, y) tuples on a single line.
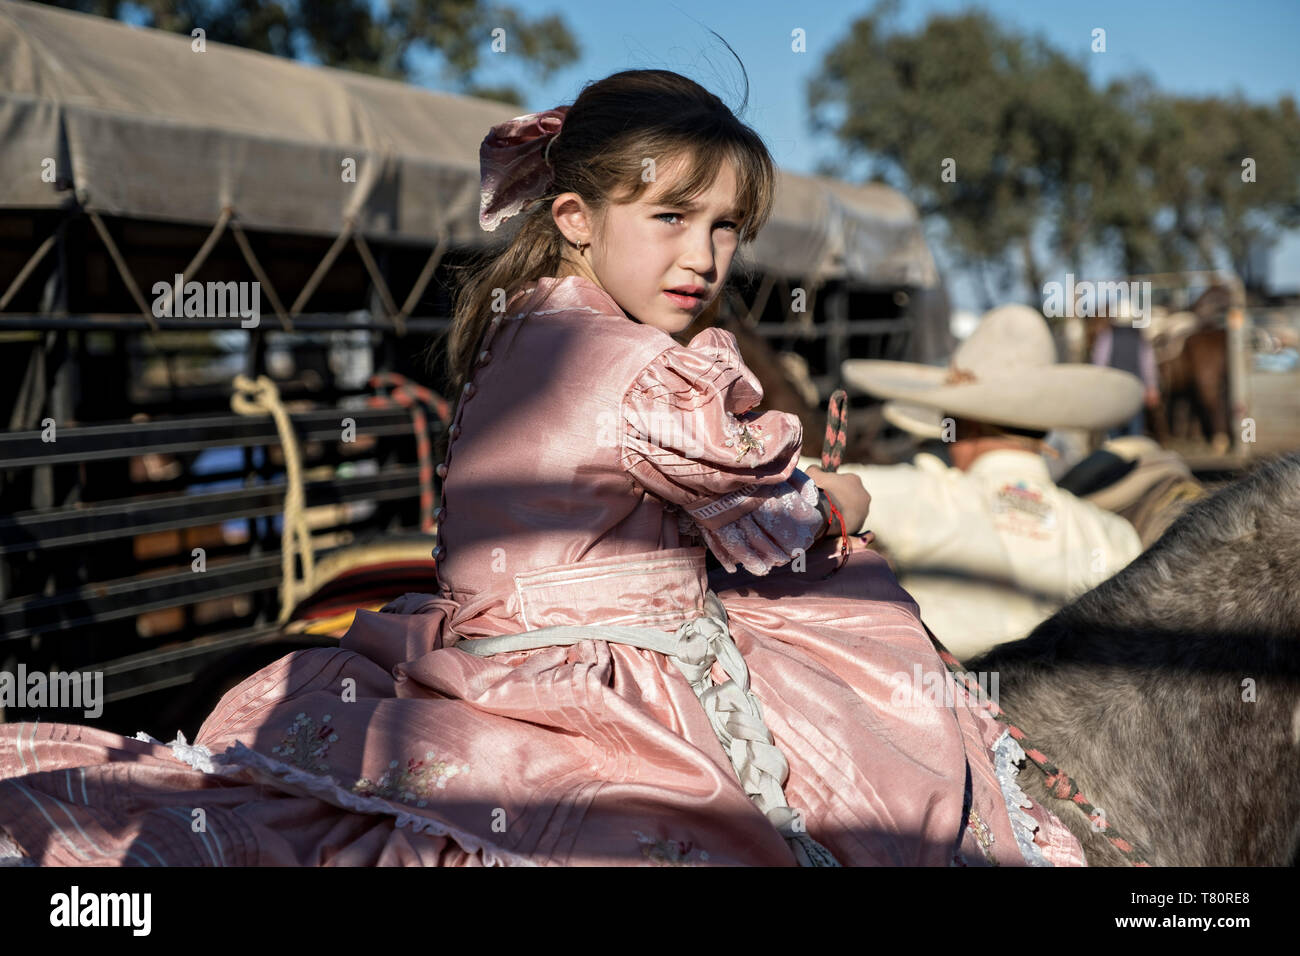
[(581, 690)]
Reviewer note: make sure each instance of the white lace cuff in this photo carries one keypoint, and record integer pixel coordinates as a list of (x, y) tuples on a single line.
[(785, 523)]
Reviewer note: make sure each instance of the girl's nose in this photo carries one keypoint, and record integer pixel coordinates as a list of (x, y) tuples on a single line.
[(699, 255)]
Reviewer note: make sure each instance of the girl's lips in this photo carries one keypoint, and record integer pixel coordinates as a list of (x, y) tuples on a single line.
[(690, 302)]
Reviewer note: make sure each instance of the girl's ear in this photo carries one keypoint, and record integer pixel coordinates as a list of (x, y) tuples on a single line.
[(572, 217)]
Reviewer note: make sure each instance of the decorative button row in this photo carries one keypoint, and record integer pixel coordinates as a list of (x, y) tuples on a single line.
[(468, 391)]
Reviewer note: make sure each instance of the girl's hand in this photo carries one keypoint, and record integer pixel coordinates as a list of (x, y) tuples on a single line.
[(847, 493)]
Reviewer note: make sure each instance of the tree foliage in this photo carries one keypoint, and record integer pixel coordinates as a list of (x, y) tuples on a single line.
[(352, 35), (1147, 181)]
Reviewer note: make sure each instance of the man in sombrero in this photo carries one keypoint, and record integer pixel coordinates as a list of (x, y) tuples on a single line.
[(981, 536)]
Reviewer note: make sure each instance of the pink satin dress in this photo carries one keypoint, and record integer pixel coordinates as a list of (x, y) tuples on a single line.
[(592, 460)]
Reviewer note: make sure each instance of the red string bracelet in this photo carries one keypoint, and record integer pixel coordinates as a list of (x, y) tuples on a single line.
[(844, 537)]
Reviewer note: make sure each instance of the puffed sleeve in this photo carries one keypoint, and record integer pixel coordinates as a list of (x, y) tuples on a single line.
[(691, 438)]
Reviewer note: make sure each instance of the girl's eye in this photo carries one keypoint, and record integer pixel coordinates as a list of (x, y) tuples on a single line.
[(677, 215)]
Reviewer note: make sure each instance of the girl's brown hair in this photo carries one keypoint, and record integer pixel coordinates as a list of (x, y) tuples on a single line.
[(613, 126)]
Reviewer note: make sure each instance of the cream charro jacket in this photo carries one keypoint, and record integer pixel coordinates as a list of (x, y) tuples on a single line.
[(990, 552)]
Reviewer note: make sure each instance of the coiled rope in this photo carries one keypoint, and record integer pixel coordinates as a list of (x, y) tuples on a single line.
[(261, 397), (415, 398)]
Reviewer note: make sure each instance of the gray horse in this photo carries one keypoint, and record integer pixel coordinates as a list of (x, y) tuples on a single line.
[(1171, 692)]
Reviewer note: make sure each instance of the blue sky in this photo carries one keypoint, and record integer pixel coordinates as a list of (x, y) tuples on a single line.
[(1193, 47)]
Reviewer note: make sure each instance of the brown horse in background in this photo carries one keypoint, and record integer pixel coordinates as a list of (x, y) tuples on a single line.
[(1193, 374), (1194, 384)]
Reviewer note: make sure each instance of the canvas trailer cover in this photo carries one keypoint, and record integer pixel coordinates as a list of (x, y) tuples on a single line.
[(139, 125)]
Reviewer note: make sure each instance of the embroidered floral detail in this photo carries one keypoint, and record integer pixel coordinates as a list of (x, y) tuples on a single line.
[(306, 744), (670, 852), (745, 435), (982, 834), (413, 784)]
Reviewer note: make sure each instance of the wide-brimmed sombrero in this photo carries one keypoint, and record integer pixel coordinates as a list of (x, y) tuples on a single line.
[(917, 419), (1005, 373)]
